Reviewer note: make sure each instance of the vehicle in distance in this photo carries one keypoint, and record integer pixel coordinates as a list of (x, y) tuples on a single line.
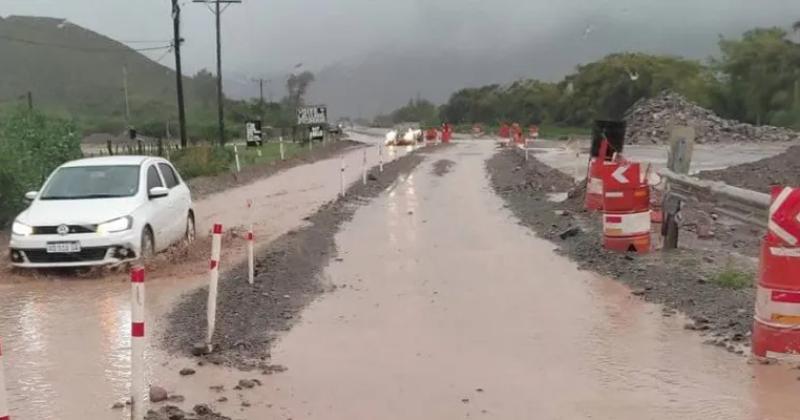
[(100, 211)]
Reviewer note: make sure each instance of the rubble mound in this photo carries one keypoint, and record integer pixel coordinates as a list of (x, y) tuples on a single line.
[(650, 120)]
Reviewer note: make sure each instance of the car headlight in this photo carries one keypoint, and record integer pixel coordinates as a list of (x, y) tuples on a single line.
[(21, 229), (116, 225)]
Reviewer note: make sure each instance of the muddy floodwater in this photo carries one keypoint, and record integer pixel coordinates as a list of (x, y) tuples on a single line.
[(444, 308), (66, 339), (447, 309)]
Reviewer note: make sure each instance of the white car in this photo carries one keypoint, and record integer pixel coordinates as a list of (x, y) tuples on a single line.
[(101, 211)]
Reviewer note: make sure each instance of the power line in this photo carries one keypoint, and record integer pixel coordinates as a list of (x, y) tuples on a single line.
[(78, 48), (217, 11)]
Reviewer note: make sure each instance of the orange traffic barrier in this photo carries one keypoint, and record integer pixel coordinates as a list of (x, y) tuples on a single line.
[(431, 134), (776, 326), (626, 207), (505, 131), (599, 169)]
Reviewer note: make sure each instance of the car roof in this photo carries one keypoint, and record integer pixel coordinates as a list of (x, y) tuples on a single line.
[(110, 161)]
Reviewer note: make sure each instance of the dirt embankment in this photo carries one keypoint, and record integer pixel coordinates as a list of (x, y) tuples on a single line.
[(783, 170), (683, 280), (287, 280), (203, 186)]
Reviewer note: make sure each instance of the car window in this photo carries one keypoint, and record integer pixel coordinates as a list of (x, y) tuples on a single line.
[(86, 182), (169, 175), (153, 180)]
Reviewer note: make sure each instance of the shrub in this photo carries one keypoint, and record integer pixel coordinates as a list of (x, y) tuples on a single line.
[(31, 146), (197, 161)]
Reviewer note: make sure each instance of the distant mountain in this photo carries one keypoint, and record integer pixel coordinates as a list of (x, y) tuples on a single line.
[(75, 70)]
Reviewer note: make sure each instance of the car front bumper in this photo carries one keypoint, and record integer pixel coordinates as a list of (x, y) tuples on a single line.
[(31, 251)]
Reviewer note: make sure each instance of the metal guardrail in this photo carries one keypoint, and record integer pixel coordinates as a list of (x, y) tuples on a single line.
[(744, 205)]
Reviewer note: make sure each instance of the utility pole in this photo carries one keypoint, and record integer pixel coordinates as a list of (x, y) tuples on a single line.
[(217, 14), (125, 91), (30, 101), (176, 44), (261, 91)]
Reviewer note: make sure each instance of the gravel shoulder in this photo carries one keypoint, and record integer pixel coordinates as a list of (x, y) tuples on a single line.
[(287, 279), (684, 280)]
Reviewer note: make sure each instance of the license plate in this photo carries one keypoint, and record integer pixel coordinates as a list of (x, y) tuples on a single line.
[(63, 247)]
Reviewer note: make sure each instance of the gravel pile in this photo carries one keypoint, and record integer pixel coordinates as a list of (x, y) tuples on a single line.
[(650, 120), (783, 170)]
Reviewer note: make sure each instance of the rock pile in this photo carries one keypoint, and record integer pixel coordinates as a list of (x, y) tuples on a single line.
[(650, 120)]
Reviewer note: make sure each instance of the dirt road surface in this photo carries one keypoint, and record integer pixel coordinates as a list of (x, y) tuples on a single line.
[(444, 307)]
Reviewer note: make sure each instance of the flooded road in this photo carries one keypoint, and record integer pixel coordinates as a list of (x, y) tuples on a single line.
[(66, 339), (446, 308)]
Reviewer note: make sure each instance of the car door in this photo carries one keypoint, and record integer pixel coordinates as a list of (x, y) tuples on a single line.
[(158, 215), (176, 202)]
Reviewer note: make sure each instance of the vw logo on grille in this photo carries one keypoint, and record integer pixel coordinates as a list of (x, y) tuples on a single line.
[(62, 230)]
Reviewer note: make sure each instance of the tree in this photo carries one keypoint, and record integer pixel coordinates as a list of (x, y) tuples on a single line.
[(760, 71), (297, 86)]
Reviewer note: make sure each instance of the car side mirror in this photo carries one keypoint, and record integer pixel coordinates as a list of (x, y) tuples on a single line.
[(158, 192), (31, 195)]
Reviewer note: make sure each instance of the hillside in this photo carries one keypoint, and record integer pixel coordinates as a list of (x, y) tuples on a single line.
[(73, 70)]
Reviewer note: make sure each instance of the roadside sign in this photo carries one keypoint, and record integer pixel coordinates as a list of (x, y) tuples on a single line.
[(253, 129), (681, 141), (309, 115), (316, 133)]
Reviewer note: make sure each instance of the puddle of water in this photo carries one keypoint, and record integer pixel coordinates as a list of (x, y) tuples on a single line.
[(445, 309), (66, 340)]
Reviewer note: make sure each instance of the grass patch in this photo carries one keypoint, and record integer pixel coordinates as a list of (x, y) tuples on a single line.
[(733, 278), (207, 160)]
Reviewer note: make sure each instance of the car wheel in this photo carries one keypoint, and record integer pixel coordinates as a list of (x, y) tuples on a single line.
[(148, 244), (191, 232)]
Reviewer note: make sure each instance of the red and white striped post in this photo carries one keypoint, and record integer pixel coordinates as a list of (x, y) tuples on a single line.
[(4, 412), (364, 168), (216, 249), (137, 343), (251, 266), (251, 269), (380, 157), (341, 178)]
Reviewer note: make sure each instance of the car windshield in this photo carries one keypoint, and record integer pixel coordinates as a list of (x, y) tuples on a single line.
[(85, 182)]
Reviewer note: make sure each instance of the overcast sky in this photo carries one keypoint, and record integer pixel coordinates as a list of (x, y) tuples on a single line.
[(270, 36)]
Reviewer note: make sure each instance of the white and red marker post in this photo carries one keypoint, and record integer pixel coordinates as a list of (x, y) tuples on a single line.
[(341, 178), (137, 343), (364, 168), (251, 264), (216, 249), (4, 412)]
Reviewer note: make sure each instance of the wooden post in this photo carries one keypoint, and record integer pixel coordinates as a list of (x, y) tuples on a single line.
[(679, 161), (110, 147)]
